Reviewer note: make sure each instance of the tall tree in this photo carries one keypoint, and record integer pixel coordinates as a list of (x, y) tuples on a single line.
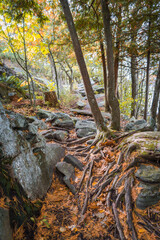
[(113, 101), (148, 60), (101, 126), (155, 98)]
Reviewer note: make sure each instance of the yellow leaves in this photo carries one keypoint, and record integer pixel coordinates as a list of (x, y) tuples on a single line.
[(19, 99)]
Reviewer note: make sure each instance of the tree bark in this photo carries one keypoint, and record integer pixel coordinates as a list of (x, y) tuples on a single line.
[(105, 79), (134, 84), (155, 98), (51, 98), (53, 69), (26, 64), (158, 118), (101, 126), (147, 75), (116, 60), (113, 101)]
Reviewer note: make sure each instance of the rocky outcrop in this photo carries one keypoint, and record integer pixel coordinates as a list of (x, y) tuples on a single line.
[(32, 160)]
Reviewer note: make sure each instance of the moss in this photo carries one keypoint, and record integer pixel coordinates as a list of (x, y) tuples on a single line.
[(151, 145)]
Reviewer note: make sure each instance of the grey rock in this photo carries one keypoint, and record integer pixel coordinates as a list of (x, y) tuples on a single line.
[(85, 132), (149, 195), (31, 119), (101, 104), (80, 104), (98, 89), (63, 116), (5, 228), (148, 174), (67, 124), (40, 124), (100, 95), (129, 126), (60, 135), (83, 124), (66, 169), (132, 119), (73, 161), (27, 170), (69, 185), (32, 128), (44, 114), (34, 169), (8, 138), (54, 153), (18, 121), (85, 128), (139, 124)]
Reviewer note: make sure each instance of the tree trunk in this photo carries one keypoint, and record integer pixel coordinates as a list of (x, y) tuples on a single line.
[(147, 75), (101, 126), (25, 62), (113, 101), (53, 69), (134, 84), (105, 79), (155, 98), (116, 60), (158, 118), (51, 98)]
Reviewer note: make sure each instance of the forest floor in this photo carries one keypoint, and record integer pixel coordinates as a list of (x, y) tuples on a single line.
[(89, 214)]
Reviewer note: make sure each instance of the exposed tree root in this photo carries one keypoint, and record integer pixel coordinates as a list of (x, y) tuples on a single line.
[(117, 181), (82, 140), (118, 224)]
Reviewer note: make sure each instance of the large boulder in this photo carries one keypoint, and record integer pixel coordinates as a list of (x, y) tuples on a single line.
[(136, 125), (5, 228), (32, 162), (85, 128)]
